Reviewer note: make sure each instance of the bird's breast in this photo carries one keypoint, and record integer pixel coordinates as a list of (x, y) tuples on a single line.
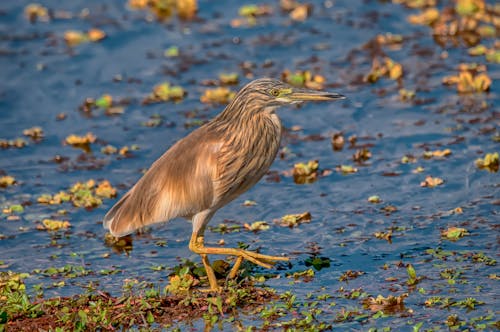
[(247, 156)]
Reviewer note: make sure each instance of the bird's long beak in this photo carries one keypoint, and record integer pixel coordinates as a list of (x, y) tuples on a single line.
[(306, 95)]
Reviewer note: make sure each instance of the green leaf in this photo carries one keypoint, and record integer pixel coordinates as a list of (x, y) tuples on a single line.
[(150, 318), (172, 51)]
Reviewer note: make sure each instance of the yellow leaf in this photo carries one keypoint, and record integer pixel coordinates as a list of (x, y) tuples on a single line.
[(6, 181), (95, 35), (80, 140), (300, 13), (482, 82), (257, 226), (138, 4), (427, 17), (54, 225), (104, 189), (74, 38), (186, 9), (292, 220), (302, 169), (221, 95), (437, 153), (431, 182), (395, 71), (228, 79), (36, 12), (490, 162), (388, 305), (346, 169), (454, 233)]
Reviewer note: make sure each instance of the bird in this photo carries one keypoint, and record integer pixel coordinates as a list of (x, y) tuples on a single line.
[(210, 167)]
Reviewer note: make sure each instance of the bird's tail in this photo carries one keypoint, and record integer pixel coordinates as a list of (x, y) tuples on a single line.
[(117, 221)]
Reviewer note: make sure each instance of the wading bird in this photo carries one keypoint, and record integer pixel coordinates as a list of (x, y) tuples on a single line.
[(210, 167)]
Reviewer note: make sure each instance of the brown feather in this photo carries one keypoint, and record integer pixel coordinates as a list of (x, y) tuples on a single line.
[(211, 166), (178, 184)]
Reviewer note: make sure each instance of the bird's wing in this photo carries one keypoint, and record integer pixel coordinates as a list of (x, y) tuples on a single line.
[(178, 184)]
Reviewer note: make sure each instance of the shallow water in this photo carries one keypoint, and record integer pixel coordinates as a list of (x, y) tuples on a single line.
[(42, 77)]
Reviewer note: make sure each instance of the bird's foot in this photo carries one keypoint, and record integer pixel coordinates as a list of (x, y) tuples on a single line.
[(256, 258), (197, 245)]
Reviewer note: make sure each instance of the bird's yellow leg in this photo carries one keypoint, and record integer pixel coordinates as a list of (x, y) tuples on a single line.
[(212, 280), (196, 244), (235, 268)]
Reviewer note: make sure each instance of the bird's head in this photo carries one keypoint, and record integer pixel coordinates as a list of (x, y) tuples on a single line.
[(271, 93), (266, 94)]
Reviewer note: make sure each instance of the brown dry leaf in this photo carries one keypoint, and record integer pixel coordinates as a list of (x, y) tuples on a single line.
[(58, 198), (229, 79), (390, 304), (124, 151), (375, 199), (115, 110), (407, 159), (256, 226), (477, 50), (482, 82), (104, 189), (338, 141), (389, 39), (350, 275), (305, 169), (73, 37), (163, 10), (437, 154), (417, 3), (305, 172), (36, 133), (406, 95), (36, 12), (76, 140), (300, 12), (288, 5), (138, 4), (388, 209), (164, 92), (13, 143), (120, 245), (395, 69), (472, 78), (387, 67), (469, 7), (109, 149), (426, 17), (346, 169), (186, 9), (417, 170), (361, 155), (220, 95), (384, 235), (293, 220), (431, 182), (95, 35), (6, 181)]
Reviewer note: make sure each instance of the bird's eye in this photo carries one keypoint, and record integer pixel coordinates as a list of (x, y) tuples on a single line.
[(274, 92)]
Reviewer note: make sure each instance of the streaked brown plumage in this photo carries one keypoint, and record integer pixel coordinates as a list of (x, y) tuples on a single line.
[(212, 166)]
